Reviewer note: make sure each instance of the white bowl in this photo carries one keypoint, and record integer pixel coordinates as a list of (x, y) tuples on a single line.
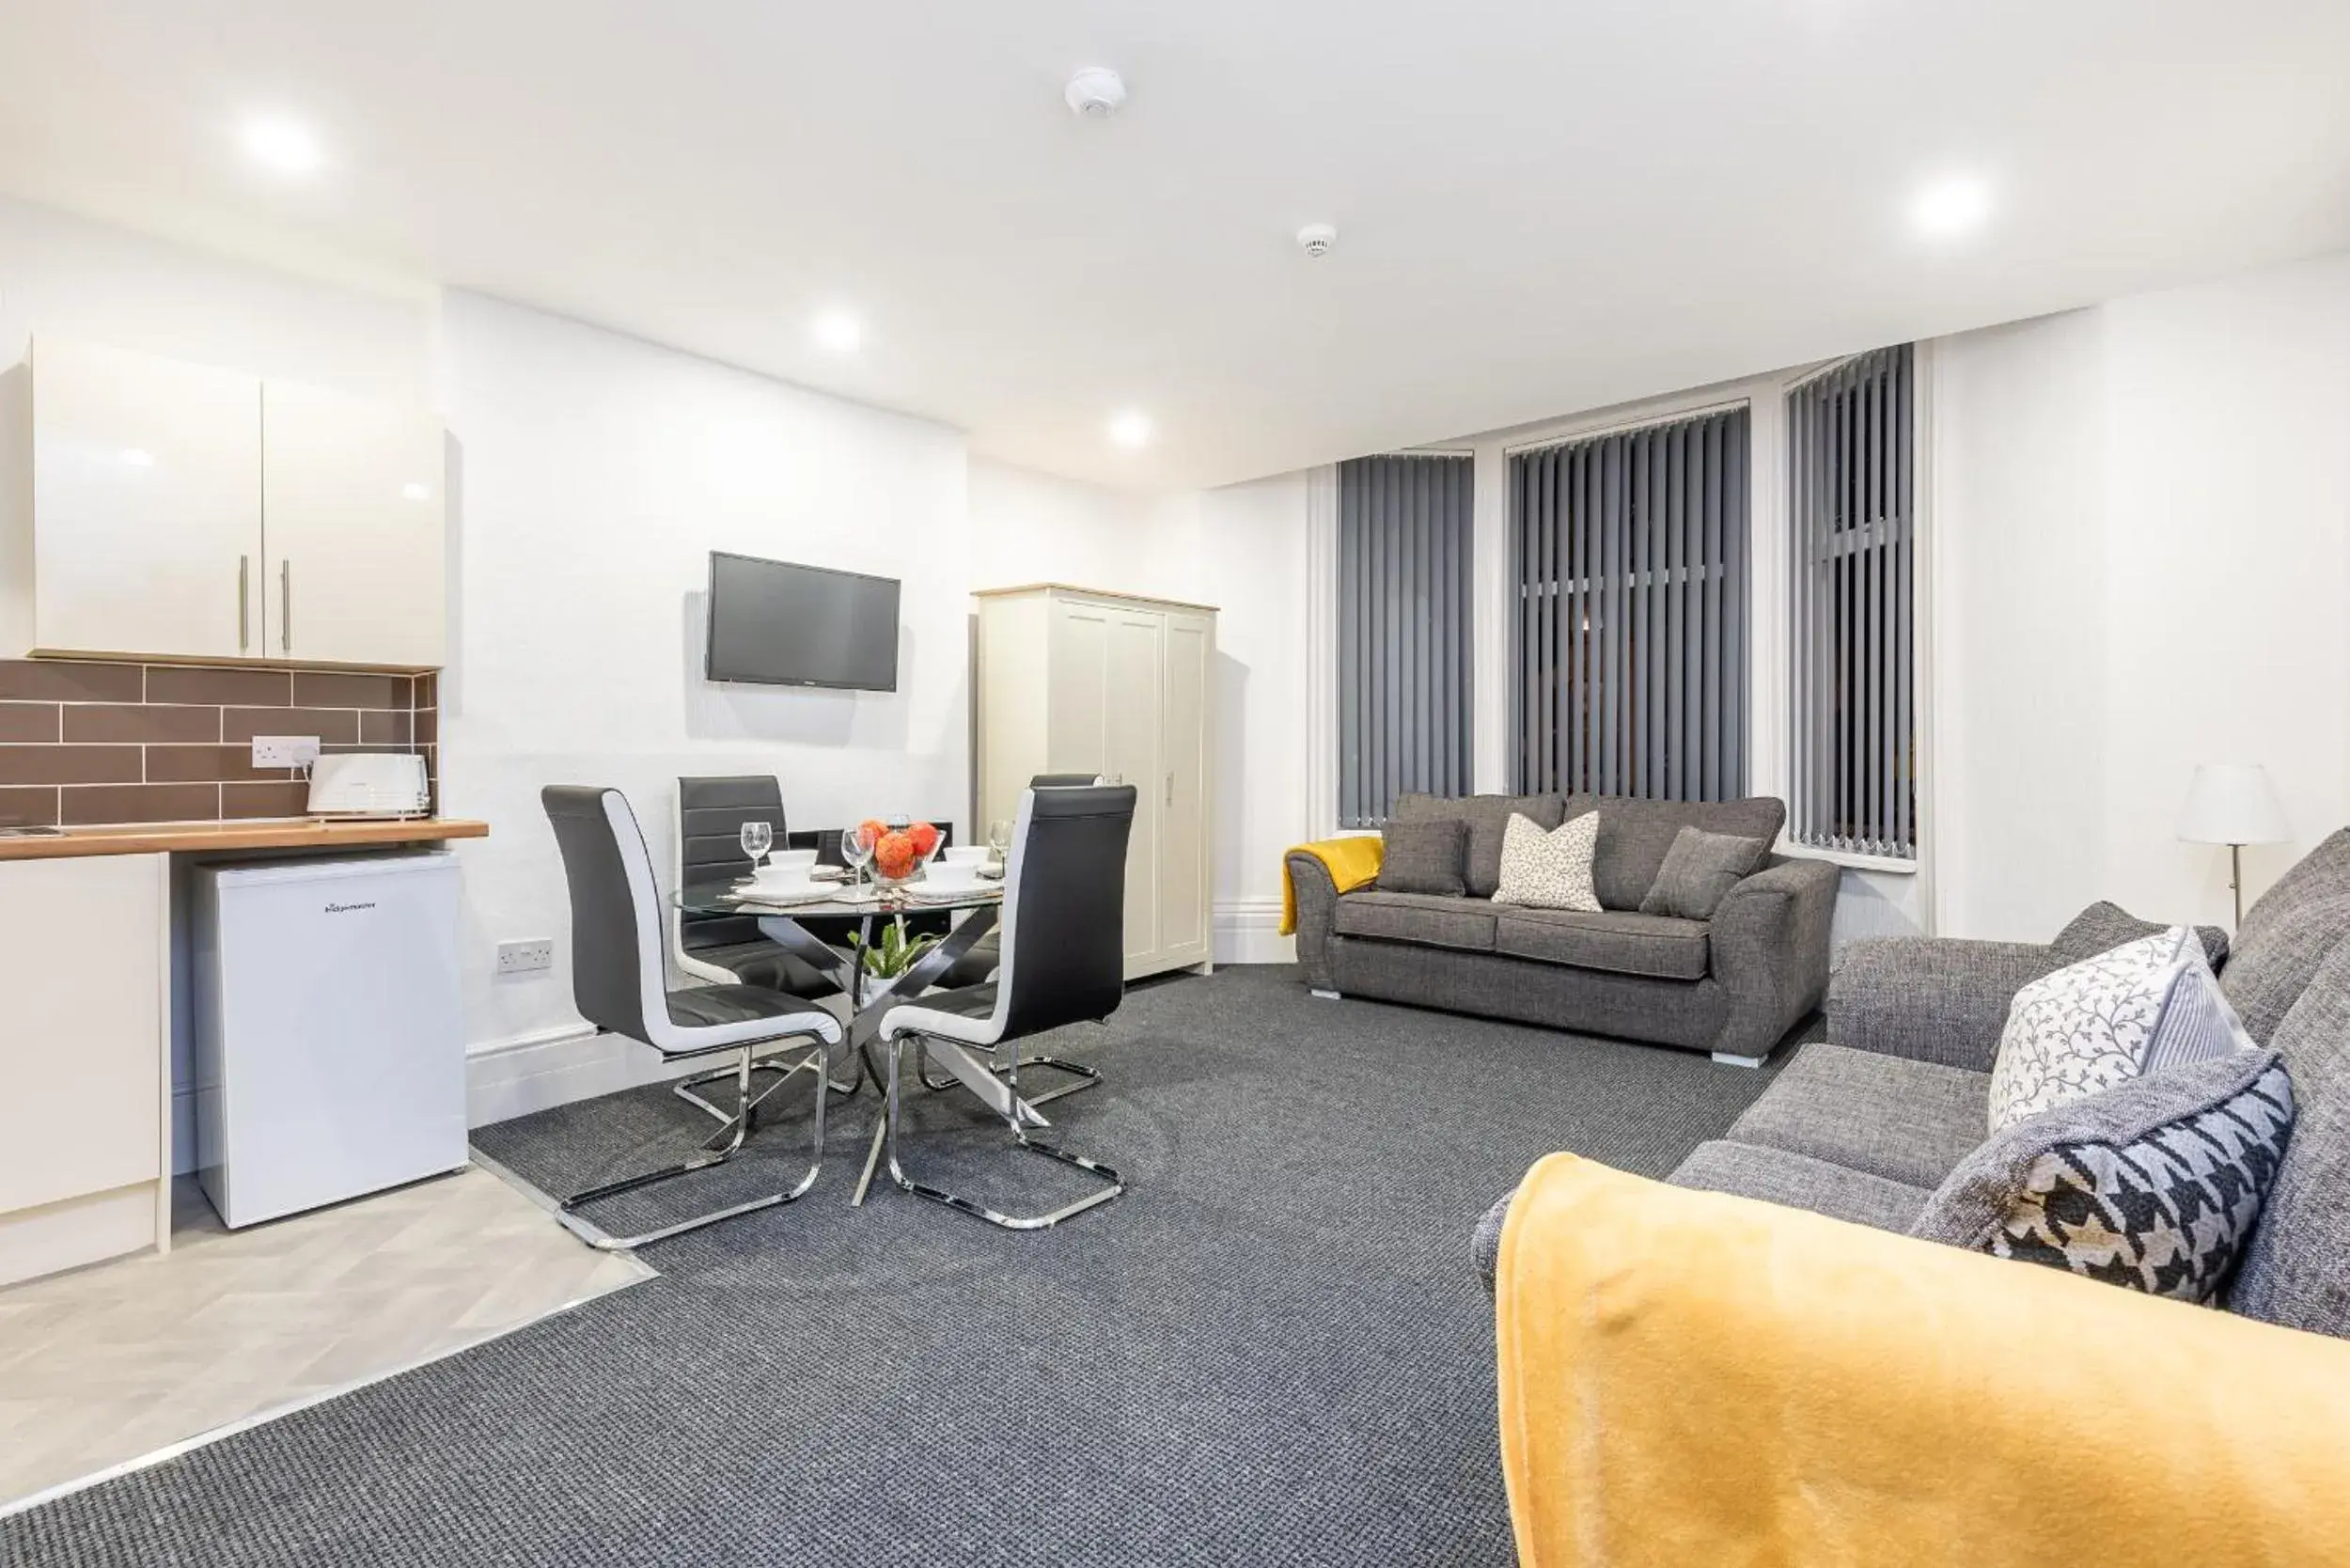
[(961, 855), (802, 860), (782, 879)]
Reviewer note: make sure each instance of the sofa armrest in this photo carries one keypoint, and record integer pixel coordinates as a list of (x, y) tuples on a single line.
[(1769, 938), (1932, 998), (1317, 897), (1690, 1378)]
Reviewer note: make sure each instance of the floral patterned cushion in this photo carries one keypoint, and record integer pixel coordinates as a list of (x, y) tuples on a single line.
[(1549, 871), (2107, 1019)]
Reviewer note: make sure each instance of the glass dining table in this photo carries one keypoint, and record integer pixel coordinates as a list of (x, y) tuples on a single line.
[(975, 906)]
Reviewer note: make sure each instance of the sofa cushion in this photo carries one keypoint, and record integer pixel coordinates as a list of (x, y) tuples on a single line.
[(1801, 1181), (1658, 946), (1634, 836), (1909, 1122), (2106, 1020), (2106, 925), (1429, 919), (2297, 1270), (1549, 871), (2271, 964), (1424, 857), (1700, 870), (2323, 873), (2154, 1185), (1486, 816)]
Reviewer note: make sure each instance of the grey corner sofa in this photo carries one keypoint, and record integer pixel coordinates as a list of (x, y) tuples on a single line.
[(1865, 1128), (1733, 985)]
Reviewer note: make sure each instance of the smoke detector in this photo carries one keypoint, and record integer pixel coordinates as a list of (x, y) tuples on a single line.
[(1316, 239), (1095, 92)]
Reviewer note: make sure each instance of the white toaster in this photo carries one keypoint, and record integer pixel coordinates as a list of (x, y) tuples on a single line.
[(368, 784)]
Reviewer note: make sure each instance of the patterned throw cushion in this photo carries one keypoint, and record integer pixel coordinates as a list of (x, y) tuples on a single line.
[(2106, 925), (1700, 870), (2107, 1019), (1549, 871), (1423, 857), (2155, 1184)]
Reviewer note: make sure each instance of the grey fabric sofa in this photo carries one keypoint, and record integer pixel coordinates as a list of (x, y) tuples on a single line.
[(1865, 1128), (1733, 985)]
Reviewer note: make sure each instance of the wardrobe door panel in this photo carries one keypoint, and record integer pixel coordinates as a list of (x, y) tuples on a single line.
[(1078, 692), (1182, 795), (1137, 676)]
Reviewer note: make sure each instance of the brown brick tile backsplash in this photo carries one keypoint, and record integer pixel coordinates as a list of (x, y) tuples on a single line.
[(87, 742), (140, 803), (28, 721), (140, 724), (70, 681), (336, 688), (220, 688), (332, 725), (28, 808), (69, 764)]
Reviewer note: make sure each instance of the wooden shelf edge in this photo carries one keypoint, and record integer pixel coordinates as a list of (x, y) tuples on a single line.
[(261, 833)]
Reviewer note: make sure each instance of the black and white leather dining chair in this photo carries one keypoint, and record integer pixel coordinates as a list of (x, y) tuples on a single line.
[(1064, 956), (619, 982), (729, 948)]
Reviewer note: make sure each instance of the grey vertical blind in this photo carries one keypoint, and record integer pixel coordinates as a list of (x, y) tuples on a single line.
[(1850, 474), (1404, 532), (1630, 645)]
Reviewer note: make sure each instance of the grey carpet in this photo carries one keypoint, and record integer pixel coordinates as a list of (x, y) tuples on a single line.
[(1273, 1350)]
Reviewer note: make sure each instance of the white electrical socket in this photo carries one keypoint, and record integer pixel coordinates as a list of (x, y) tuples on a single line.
[(285, 751), (522, 957)]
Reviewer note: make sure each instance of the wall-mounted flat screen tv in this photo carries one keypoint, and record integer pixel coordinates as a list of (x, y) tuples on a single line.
[(778, 624)]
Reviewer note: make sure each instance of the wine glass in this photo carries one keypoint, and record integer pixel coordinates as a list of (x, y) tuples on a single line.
[(758, 839), (856, 849), (999, 840)]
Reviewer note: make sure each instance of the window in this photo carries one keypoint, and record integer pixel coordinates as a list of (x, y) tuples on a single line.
[(1404, 532), (1630, 636), (1854, 748)]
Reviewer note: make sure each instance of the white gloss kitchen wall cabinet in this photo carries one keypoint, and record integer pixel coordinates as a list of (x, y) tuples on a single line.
[(1079, 680), (154, 508)]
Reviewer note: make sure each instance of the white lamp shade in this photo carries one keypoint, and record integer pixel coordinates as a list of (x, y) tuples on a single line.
[(2232, 803)]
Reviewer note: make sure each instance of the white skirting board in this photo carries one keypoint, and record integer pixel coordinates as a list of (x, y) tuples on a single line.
[(533, 1072), (1248, 930)]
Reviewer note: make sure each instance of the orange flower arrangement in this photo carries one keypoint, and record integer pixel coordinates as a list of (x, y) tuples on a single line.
[(899, 852)]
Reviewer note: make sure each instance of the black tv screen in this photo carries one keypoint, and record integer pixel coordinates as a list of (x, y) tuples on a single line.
[(780, 625)]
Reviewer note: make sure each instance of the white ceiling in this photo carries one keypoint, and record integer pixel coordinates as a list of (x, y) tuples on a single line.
[(1544, 205)]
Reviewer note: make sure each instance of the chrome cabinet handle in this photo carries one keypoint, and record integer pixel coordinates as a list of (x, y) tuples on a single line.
[(285, 606), (245, 603)]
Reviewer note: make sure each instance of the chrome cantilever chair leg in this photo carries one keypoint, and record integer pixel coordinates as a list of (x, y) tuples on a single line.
[(895, 1049), (688, 1089), (1086, 1078), (717, 1149)]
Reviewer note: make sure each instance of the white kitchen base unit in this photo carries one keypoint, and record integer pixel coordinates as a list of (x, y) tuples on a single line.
[(85, 1136), (330, 1057)]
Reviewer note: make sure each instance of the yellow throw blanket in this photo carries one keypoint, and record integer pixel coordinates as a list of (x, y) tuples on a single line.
[(1352, 862), (1693, 1379)]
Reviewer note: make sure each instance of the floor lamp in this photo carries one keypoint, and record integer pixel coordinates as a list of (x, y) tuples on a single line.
[(2235, 804)]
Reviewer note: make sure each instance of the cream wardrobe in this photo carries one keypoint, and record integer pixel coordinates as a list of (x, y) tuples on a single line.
[(1075, 679)]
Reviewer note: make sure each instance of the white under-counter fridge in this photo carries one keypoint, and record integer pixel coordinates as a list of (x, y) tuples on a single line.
[(329, 1047)]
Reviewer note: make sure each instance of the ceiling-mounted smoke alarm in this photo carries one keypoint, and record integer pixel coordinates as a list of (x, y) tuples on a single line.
[(1316, 239), (1096, 92)]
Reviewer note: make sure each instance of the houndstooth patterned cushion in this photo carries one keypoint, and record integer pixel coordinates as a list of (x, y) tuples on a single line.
[(1549, 871), (2145, 1004), (2166, 1209)]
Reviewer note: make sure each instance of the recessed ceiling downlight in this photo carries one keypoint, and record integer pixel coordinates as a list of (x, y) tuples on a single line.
[(283, 145), (839, 331), (1129, 429), (1954, 205)]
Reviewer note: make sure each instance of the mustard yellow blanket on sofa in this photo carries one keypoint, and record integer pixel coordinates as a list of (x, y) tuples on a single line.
[(1692, 1380), (1351, 862)]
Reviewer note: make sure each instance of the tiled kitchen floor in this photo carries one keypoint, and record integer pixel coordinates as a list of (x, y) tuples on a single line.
[(106, 1365)]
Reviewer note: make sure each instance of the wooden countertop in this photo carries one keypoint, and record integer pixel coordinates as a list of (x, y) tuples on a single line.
[(267, 833)]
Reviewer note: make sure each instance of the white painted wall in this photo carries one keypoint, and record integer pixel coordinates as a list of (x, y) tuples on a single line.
[(2146, 513), (66, 275), (596, 474)]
